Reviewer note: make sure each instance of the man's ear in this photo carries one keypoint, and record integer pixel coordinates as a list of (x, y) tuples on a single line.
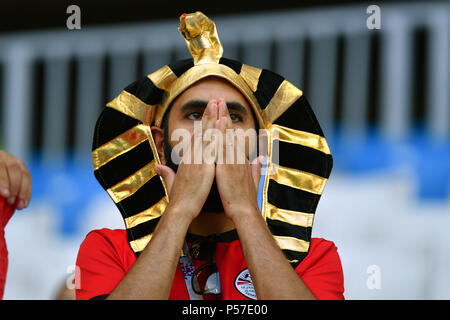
[(158, 137)]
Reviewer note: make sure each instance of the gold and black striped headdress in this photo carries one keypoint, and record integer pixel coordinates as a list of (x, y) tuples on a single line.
[(124, 154)]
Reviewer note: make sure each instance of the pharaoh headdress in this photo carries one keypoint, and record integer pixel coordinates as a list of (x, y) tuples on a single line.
[(124, 153)]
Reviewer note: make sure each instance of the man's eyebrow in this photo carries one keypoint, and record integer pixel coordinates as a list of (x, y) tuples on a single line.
[(195, 104), (236, 106)]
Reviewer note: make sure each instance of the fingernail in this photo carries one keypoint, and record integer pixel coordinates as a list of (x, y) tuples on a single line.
[(11, 200)]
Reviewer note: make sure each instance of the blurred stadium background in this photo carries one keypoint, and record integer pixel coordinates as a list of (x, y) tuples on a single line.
[(382, 97)]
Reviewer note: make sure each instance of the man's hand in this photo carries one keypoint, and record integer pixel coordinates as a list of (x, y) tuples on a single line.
[(15, 180), (238, 185), (237, 181), (189, 188), (151, 276)]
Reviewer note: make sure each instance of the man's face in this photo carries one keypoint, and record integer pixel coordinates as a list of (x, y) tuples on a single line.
[(189, 107)]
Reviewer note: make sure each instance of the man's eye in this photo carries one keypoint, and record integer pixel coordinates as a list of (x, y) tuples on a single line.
[(194, 116), (235, 117)]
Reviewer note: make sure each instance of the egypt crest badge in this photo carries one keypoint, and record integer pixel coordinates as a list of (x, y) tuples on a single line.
[(244, 284)]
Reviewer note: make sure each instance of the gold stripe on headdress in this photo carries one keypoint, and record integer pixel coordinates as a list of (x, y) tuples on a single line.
[(251, 76), (303, 138), (292, 217), (132, 106), (151, 213), (133, 183), (163, 78), (119, 145), (283, 98), (139, 244), (298, 179), (291, 243)]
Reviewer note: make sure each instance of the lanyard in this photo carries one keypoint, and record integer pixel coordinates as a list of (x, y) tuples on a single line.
[(187, 268)]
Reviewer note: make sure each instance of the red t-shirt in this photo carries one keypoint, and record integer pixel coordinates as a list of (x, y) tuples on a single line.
[(6, 211), (105, 257)]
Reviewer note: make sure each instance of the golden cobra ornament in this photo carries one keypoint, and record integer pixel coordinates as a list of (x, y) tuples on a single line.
[(201, 37)]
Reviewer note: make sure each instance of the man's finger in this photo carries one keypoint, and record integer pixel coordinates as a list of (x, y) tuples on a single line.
[(4, 184), (25, 191), (15, 179), (257, 164), (223, 112), (167, 174), (209, 115), (29, 190), (232, 149), (209, 139), (220, 125)]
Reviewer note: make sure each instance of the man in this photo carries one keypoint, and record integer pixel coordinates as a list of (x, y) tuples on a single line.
[(15, 193), (230, 248)]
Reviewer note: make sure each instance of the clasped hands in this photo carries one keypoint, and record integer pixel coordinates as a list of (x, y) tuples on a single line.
[(237, 181)]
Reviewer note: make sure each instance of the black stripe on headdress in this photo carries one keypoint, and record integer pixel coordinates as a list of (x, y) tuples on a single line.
[(143, 229), (280, 228), (146, 91), (181, 66), (267, 86), (124, 165), (104, 134), (285, 197), (147, 195), (290, 118), (233, 64), (295, 255), (302, 158)]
